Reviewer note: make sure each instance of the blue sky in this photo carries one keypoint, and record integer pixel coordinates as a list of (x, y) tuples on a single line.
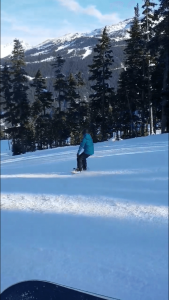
[(35, 21)]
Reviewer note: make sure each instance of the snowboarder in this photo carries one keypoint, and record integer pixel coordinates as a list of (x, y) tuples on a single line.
[(87, 145)]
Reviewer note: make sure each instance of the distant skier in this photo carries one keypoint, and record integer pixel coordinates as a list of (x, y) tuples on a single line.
[(87, 145)]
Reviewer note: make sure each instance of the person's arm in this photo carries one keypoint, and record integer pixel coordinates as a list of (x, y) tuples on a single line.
[(82, 144)]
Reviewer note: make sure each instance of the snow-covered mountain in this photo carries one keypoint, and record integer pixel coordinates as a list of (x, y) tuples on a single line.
[(76, 49), (116, 32)]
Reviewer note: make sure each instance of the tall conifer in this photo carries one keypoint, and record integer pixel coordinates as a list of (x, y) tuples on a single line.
[(159, 46), (19, 98), (147, 23), (129, 93), (100, 99), (83, 105), (73, 111), (43, 101), (6, 98), (60, 86)]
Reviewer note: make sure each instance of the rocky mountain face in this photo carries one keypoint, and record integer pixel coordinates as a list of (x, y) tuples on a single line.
[(77, 50)]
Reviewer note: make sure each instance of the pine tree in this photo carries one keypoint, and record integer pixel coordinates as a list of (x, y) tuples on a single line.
[(60, 84), (129, 93), (73, 111), (60, 128), (60, 87), (6, 97), (83, 105), (19, 98), (147, 29), (159, 46), (100, 99), (157, 84), (124, 108), (43, 98), (30, 137), (43, 101)]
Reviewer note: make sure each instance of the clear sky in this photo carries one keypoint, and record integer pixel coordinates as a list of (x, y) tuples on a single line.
[(35, 21)]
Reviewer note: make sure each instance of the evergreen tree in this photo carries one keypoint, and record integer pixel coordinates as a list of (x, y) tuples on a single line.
[(130, 84), (43, 132), (43, 101), (30, 137), (36, 109), (60, 86), (73, 111), (60, 131), (19, 98), (159, 46), (43, 98), (157, 84), (124, 108), (6, 97), (83, 105), (100, 99), (147, 23)]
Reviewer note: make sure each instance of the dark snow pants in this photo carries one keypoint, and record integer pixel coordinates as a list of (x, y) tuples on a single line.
[(81, 161)]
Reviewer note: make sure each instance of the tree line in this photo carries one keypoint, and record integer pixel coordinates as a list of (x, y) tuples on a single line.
[(140, 104)]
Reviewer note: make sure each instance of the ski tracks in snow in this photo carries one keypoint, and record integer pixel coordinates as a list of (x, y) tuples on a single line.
[(82, 174), (63, 154), (87, 206), (93, 206)]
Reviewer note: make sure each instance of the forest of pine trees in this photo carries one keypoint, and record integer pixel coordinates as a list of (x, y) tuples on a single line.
[(139, 107)]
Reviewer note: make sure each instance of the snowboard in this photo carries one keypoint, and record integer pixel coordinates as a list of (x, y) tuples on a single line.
[(75, 172), (42, 290)]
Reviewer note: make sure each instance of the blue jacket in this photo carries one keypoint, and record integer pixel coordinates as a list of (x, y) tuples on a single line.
[(87, 145)]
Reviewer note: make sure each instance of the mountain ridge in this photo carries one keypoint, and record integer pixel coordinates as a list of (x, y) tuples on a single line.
[(115, 31), (77, 50)]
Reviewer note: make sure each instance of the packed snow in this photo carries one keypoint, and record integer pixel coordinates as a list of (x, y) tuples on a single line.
[(39, 53), (70, 50), (42, 60), (104, 230), (29, 77), (88, 52)]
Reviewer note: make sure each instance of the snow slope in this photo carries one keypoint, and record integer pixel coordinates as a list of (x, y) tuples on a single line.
[(103, 231)]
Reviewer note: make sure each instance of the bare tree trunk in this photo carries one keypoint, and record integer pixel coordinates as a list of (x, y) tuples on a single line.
[(149, 94), (103, 104), (155, 120), (151, 119), (117, 136), (142, 124), (150, 103), (143, 109), (132, 126), (146, 129)]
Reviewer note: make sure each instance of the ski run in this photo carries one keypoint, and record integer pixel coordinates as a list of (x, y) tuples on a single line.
[(104, 230)]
